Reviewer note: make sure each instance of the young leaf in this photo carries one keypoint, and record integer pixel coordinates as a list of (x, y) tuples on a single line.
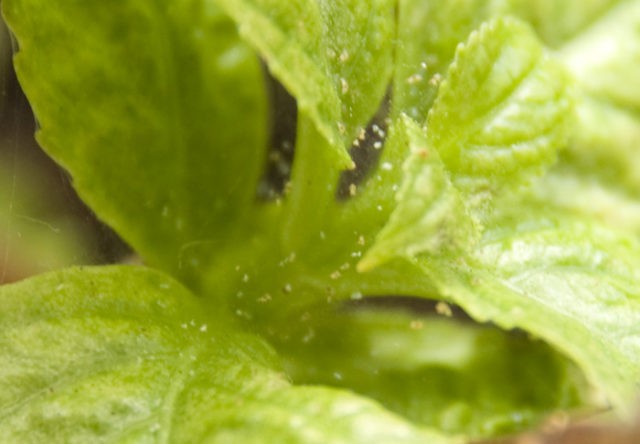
[(571, 283), (445, 373), (124, 354), (501, 114), (334, 57), (137, 107), (428, 34), (430, 216), (482, 126)]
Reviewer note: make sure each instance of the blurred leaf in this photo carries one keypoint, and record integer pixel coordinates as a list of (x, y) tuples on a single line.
[(558, 23), (605, 56), (124, 354), (334, 57), (449, 374), (136, 107)]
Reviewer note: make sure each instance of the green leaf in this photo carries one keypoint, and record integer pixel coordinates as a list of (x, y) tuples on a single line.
[(137, 107), (430, 215), (124, 354), (498, 120), (450, 374), (334, 57), (428, 34), (502, 112), (605, 56), (569, 282)]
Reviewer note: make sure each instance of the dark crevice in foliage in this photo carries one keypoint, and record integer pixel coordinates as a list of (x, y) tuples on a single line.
[(421, 307), (283, 121), (415, 305), (365, 150), (18, 124)]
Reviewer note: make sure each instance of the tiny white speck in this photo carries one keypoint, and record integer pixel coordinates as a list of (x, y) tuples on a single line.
[(415, 78), (203, 328), (435, 80), (387, 166), (444, 309), (344, 86)]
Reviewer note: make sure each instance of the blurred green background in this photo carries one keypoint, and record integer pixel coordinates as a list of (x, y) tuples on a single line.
[(43, 224)]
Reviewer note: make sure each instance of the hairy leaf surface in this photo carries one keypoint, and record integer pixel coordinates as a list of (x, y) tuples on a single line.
[(501, 114), (572, 283), (430, 215), (124, 354), (428, 34)]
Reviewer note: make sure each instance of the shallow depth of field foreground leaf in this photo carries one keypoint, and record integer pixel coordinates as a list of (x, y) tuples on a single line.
[(124, 354)]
